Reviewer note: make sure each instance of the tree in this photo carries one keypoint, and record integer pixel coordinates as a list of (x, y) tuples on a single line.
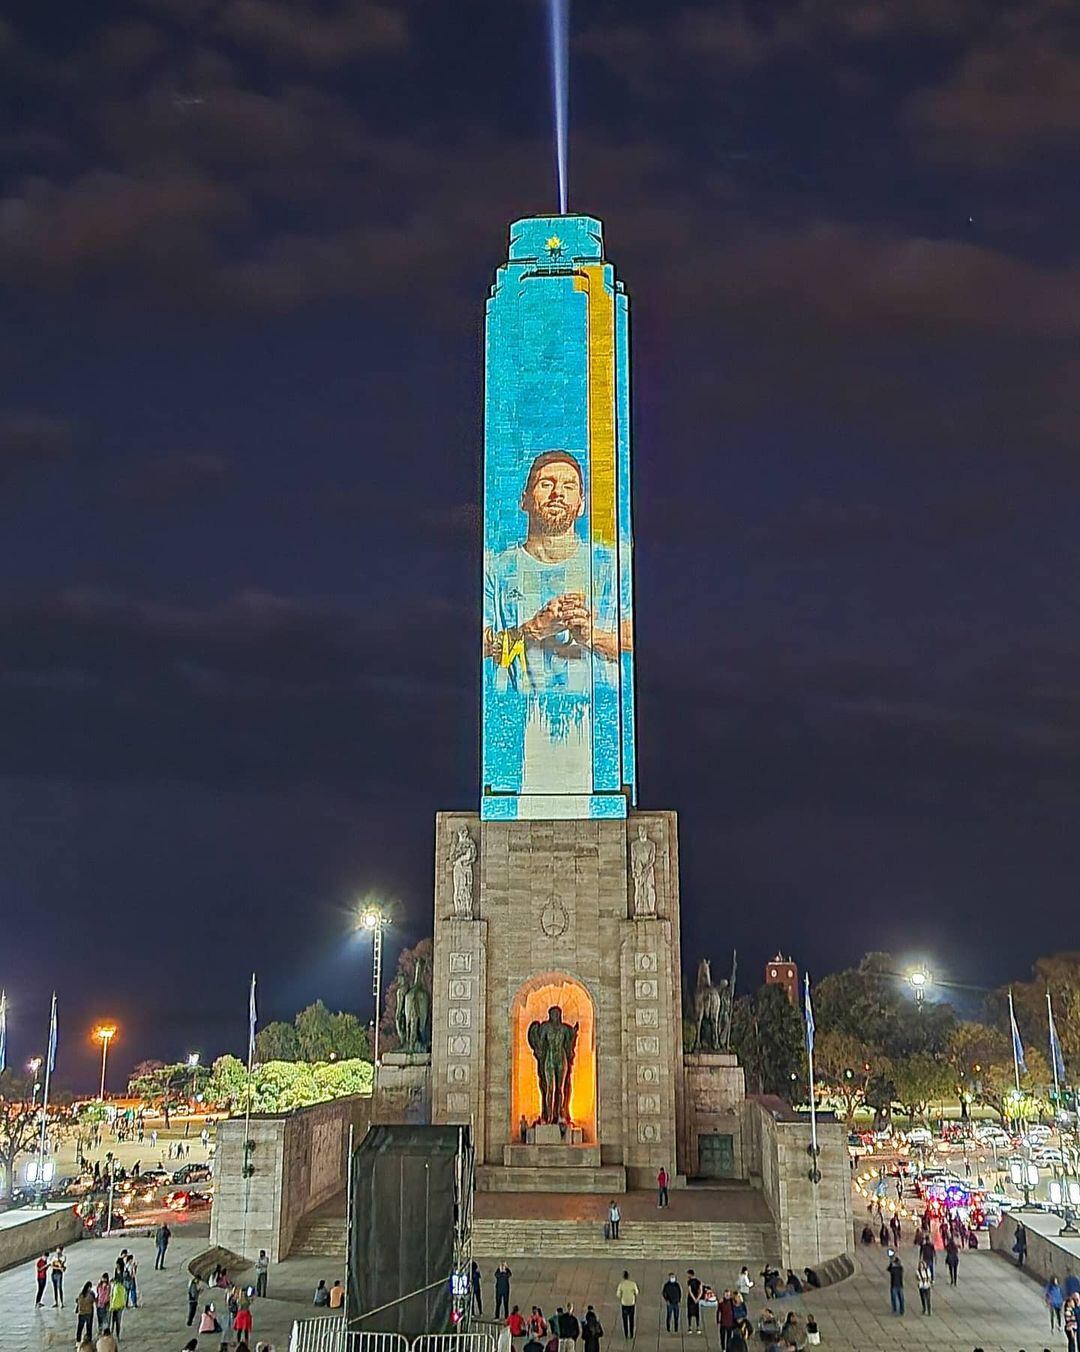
[(1060, 973), (161, 1084), (20, 1125), (350, 1037), (872, 1002), (844, 1063), (279, 1086), (767, 1035), (918, 1079), (315, 1033), (278, 1041)]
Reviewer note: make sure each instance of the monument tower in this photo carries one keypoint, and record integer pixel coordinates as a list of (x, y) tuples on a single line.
[(557, 1008)]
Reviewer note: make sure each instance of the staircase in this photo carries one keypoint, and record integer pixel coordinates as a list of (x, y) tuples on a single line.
[(665, 1241), (322, 1233)]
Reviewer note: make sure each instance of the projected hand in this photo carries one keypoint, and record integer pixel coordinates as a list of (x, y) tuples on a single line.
[(547, 622)]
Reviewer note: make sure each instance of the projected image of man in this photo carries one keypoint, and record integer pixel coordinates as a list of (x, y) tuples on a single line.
[(550, 604)]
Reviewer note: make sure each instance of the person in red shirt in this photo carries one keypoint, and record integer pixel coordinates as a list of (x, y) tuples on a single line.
[(661, 1187), (537, 1324), (242, 1324), (515, 1323), (42, 1266)]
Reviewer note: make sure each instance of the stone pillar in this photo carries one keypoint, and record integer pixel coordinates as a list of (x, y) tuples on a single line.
[(715, 1092)]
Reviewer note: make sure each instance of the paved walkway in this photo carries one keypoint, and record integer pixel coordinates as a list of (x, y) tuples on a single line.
[(159, 1322), (993, 1307)]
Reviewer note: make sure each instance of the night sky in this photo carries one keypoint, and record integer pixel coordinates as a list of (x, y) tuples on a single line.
[(244, 251)]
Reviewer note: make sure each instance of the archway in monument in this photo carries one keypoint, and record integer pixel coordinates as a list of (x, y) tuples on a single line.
[(532, 1001)]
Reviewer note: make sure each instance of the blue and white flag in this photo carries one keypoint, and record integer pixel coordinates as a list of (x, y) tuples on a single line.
[(3, 1031), (51, 1063), (1056, 1058), (252, 1019), (1018, 1046), (809, 1019)]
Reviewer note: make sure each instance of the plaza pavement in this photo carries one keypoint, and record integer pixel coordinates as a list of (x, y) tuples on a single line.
[(159, 1322), (994, 1307)]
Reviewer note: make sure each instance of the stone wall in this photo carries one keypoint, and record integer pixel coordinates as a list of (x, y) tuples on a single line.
[(299, 1161), (26, 1232), (555, 897), (1048, 1254), (715, 1092), (814, 1220)]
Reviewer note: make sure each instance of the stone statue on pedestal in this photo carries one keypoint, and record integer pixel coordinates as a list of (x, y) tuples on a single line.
[(413, 1010), (712, 1010), (553, 1044), (462, 859), (643, 871)]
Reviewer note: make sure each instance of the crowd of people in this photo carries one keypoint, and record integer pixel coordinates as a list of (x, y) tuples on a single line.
[(692, 1298)]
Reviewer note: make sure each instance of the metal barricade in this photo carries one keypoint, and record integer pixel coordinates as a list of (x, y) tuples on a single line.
[(330, 1335), (454, 1342)]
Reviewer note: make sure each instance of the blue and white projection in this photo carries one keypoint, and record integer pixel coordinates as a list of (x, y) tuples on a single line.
[(558, 634)]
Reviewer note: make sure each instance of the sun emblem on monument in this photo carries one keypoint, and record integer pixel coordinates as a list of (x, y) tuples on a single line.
[(554, 918), (554, 247)]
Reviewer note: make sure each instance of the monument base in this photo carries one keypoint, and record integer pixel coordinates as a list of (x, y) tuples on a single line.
[(715, 1094), (403, 1089), (575, 1177), (560, 1156)]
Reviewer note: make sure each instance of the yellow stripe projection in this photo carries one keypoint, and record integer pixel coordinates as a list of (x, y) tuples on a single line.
[(601, 403)]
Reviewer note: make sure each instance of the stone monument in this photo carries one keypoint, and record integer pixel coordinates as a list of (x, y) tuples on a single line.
[(557, 1001)]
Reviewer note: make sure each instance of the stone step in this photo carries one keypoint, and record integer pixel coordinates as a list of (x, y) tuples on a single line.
[(665, 1241), (600, 1178)]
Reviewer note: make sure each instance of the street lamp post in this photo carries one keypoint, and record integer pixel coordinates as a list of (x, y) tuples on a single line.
[(33, 1066), (375, 922), (193, 1062), (104, 1032)]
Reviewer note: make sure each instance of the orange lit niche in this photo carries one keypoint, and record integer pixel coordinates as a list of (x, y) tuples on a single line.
[(532, 1002)]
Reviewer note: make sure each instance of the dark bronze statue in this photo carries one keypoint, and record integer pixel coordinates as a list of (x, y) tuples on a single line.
[(553, 1044)]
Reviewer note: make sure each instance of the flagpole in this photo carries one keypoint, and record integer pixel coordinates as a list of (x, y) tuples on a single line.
[(3, 1031), (45, 1102), (250, 1068), (1054, 1053), (810, 1067), (1016, 1059)]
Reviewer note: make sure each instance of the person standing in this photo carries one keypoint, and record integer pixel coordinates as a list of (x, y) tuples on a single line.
[(725, 1319), (262, 1272), (1072, 1315), (662, 1187), (926, 1251), (131, 1281), (924, 1275), (1055, 1299), (627, 1293), (242, 1324), (896, 1283), (693, 1298), (502, 1290), (102, 1294), (161, 1240), (591, 1331), (85, 1305), (477, 1294), (41, 1268), (58, 1266), (569, 1330), (194, 1287), (952, 1260), (118, 1299), (672, 1295), (743, 1283), (1020, 1244), (614, 1217)]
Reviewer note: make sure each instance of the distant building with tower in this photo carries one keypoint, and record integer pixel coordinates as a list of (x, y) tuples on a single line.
[(781, 971)]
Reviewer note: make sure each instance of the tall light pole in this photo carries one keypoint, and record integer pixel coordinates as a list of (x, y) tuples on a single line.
[(104, 1032), (919, 978), (193, 1062), (375, 922), (33, 1066)]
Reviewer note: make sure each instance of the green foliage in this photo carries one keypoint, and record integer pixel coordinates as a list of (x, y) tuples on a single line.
[(162, 1084), (278, 1041), (316, 1035), (918, 1079), (844, 1064), (20, 1123), (873, 1003), (278, 1086), (767, 1036)]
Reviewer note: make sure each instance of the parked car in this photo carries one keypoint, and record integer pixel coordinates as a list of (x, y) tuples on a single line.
[(186, 1200), (193, 1173)]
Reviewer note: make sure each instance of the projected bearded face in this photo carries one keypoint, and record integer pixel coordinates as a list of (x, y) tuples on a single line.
[(554, 498)]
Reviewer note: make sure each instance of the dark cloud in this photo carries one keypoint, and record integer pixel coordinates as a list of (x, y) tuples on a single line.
[(174, 478), (1016, 95), (322, 36)]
